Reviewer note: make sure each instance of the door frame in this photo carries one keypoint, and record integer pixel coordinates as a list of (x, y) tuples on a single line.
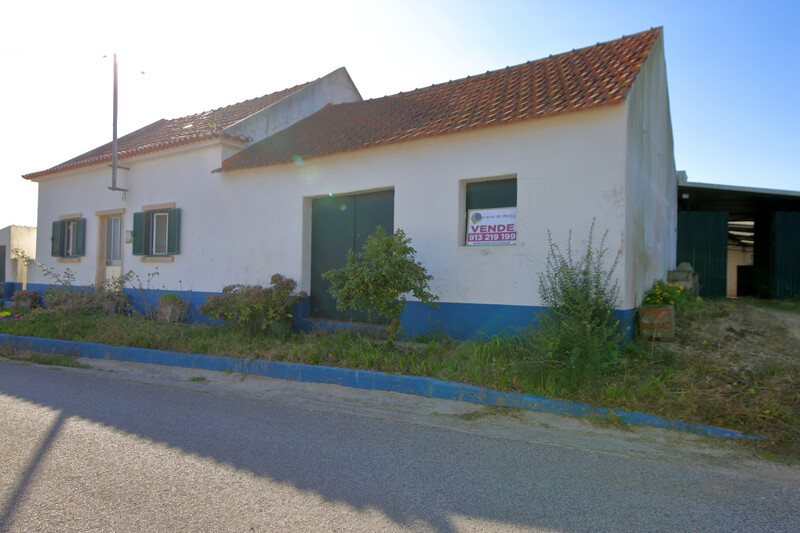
[(101, 275)]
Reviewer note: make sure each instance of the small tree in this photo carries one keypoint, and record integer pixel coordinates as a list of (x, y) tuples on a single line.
[(380, 276)]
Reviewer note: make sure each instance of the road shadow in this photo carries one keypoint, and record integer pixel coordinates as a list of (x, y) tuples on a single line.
[(413, 474)]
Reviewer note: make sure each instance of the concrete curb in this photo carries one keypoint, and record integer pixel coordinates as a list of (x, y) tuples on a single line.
[(358, 379)]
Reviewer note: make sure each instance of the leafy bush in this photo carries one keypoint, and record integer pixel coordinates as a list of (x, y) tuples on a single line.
[(380, 276), (255, 308), (578, 335), (113, 302), (29, 299), (172, 308), (66, 299)]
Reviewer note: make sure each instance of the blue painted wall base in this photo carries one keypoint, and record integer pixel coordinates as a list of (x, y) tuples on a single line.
[(457, 320)]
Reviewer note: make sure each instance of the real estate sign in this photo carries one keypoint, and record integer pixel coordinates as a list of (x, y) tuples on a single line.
[(492, 227)]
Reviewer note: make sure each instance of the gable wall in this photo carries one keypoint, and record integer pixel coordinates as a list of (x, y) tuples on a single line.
[(335, 88), (651, 185)]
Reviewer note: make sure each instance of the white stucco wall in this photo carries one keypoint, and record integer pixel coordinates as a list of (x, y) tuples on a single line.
[(17, 238), (242, 227), (182, 176), (569, 170), (651, 186)]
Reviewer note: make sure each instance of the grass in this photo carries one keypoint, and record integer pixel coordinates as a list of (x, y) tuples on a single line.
[(729, 367), (55, 360)]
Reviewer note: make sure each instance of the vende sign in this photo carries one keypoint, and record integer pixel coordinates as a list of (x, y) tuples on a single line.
[(491, 227)]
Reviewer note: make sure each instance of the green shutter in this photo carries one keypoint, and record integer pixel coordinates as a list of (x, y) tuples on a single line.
[(80, 236), (138, 233), (55, 239), (173, 231)]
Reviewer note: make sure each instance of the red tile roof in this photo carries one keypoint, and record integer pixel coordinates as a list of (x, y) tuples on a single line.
[(165, 134), (582, 79)]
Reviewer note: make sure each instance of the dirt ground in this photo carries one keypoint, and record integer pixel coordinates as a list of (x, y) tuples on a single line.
[(745, 335), (741, 369)]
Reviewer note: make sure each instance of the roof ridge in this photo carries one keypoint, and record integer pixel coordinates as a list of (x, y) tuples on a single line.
[(658, 29)]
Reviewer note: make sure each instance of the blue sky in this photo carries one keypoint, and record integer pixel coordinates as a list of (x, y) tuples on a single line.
[(733, 68)]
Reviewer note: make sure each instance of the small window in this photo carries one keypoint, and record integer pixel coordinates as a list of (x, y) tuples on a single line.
[(491, 213), (67, 239), (113, 241), (160, 230), (156, 232), (491, 194)]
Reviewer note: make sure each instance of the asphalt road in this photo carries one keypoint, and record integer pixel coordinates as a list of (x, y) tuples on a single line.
[(126, 447)]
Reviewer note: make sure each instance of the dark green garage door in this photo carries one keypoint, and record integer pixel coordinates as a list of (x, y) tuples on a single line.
[(339, 224), (786, 255), (703, 242)]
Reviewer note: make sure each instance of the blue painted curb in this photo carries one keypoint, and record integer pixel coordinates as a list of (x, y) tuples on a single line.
[(358, 379)]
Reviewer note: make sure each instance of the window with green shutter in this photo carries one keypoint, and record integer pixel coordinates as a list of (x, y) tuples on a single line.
[(68, 237), (156, 232)]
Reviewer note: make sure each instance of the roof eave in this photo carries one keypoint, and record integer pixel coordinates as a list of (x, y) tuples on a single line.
[(129, 154)]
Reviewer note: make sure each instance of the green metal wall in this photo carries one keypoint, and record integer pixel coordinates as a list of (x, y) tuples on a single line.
[(703, 242), (339, 224), (786, 255)]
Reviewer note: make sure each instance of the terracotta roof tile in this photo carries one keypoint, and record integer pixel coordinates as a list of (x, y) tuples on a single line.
[(165, 134), (581, 79)]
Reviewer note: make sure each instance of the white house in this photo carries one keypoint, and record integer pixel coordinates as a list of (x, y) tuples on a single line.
[(229, 196)]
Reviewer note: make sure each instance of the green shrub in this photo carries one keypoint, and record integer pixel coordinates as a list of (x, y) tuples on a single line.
[(29, 299), (578, 337), (255, 308), (69, 300), (172, 308), (378, 278), (113, 302)]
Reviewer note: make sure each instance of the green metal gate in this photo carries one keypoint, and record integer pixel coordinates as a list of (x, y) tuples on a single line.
[(786, 255), (339, 224), (703, 242)]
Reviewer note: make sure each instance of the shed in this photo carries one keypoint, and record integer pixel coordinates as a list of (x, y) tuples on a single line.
[(742, 241)]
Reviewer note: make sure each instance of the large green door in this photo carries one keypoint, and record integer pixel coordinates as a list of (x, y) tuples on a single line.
[(786, 255), (339, 224), (703, 242)]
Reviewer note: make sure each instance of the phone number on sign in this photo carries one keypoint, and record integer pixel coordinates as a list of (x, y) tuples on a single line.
[(492, 237)]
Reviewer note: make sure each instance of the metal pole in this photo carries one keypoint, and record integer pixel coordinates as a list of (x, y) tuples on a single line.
[(114, 142)]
